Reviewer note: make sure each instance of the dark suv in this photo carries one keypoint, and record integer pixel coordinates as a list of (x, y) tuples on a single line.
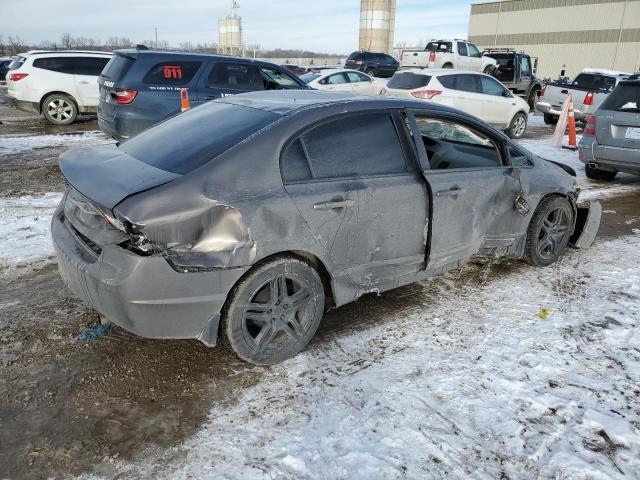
[(139, 88), (372, 63)]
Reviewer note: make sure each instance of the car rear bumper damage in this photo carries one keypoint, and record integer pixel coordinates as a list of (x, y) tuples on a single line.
[(23, 105), (142, 294)]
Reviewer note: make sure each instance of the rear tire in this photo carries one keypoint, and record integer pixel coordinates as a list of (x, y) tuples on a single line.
[(370, 72), (550, 119), (274, 311), (59, 109), (533, 99), (518, 125), (597, 174), (549, 231)]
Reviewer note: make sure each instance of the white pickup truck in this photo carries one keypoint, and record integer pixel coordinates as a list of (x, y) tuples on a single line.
[(458, 54), (588, 90)]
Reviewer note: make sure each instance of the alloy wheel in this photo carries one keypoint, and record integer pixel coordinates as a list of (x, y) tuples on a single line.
[(554, 229), (60, 109)]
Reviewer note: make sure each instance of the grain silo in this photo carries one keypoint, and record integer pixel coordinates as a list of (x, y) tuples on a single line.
[(377, 25), (230, 33)]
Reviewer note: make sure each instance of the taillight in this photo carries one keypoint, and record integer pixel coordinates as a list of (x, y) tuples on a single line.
[(426, 94), (590, 128), (125, 96), (432, 56), (14, 77), (359, 62), (588, 99), (544, 88)]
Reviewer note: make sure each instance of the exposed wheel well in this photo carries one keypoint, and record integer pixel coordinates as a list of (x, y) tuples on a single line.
[(71, 97)]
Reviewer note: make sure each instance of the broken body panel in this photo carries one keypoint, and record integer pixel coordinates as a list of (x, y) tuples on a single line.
[(158, 253)]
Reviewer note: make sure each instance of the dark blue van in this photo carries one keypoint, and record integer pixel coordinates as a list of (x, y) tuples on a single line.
[(139, 88)]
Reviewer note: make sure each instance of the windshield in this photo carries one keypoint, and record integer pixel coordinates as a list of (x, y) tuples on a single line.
[(309, 77), (625, 98), (408, 81), (193, 138)]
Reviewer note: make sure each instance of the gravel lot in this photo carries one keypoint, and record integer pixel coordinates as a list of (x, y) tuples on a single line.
[(126, 407)]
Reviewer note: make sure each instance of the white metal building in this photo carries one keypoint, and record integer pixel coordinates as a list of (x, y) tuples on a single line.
[(564, 34)]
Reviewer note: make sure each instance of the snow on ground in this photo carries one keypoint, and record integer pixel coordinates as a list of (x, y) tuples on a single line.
[(478, 382), (24, 228), (12, 144)]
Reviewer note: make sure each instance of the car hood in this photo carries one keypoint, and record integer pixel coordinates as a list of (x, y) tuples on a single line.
[(106, 175)]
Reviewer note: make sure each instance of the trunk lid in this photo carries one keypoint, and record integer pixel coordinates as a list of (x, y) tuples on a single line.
[(106, 175)]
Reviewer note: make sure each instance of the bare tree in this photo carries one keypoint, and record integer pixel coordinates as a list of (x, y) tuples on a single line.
[(186, 46), (14, 45), (67, 41), (118, 42)]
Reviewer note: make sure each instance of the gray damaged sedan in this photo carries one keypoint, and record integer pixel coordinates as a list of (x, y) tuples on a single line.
[(247, 217)]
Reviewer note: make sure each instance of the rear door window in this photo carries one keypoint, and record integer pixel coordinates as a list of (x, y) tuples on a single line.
[(462, 49), (234, 76), (117, 67), (354, 146), (356, 77), (408, 81), (335, 79), (90, 65), (172, 72), (468, 83), (295, 164)]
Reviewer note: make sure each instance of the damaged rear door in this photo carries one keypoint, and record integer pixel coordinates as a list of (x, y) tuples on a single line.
[(361, 196), (473, 190)]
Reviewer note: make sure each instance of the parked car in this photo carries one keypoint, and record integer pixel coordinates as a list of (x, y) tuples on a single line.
[(58, 85), (588, 89), (458, 54), (295, 69), (372, 63), (4, 67), (611, 140), (140, 88), (247, 216), (517, 71), (343, 80), (474, 93)]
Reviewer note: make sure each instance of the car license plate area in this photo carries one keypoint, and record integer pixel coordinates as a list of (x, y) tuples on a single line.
[(632, 133)]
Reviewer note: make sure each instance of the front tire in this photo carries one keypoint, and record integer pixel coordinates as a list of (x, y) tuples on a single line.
[(597, 174), (59, 109), (489, 70), (550, 119), (518, 125), (274, 312), (370, 72), (549, 231)]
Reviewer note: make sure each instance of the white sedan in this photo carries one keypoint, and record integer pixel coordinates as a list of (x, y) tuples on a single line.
[(343, 80), (472, 92)]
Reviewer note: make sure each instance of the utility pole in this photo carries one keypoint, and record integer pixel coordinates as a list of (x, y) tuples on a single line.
[(156, 37)]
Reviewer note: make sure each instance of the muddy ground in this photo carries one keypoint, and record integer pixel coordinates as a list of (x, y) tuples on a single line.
[(67, 405)]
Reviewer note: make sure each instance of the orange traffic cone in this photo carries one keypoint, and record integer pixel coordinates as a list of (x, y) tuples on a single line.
[(573, 145), (184, 99)]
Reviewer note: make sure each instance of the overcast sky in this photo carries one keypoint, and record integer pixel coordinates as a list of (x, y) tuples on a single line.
[(319, 25)]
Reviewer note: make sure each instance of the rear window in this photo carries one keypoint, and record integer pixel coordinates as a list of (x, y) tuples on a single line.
[(408, 81), (594, 81), (117, 67), (625, 98), (355, 56), (172, 73), (438, 47), (56, 64), (16, 63), (309, 77), (204, 132)]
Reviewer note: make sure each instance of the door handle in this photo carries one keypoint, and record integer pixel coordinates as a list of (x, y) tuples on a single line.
[(84, 82), (452, 192), (332, 205)]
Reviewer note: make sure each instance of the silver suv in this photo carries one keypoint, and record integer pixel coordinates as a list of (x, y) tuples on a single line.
[(611, 140)]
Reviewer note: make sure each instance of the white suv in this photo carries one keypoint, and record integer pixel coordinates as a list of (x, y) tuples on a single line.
[(58, 85), (472, 92)]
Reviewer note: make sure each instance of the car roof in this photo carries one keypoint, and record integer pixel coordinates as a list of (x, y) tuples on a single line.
[(285, 102), (136, 53), (63, 52), (331, 71), (437, 71), (604, 71)]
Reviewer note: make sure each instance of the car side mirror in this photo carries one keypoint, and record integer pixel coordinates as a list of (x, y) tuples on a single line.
[(507, 93)]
